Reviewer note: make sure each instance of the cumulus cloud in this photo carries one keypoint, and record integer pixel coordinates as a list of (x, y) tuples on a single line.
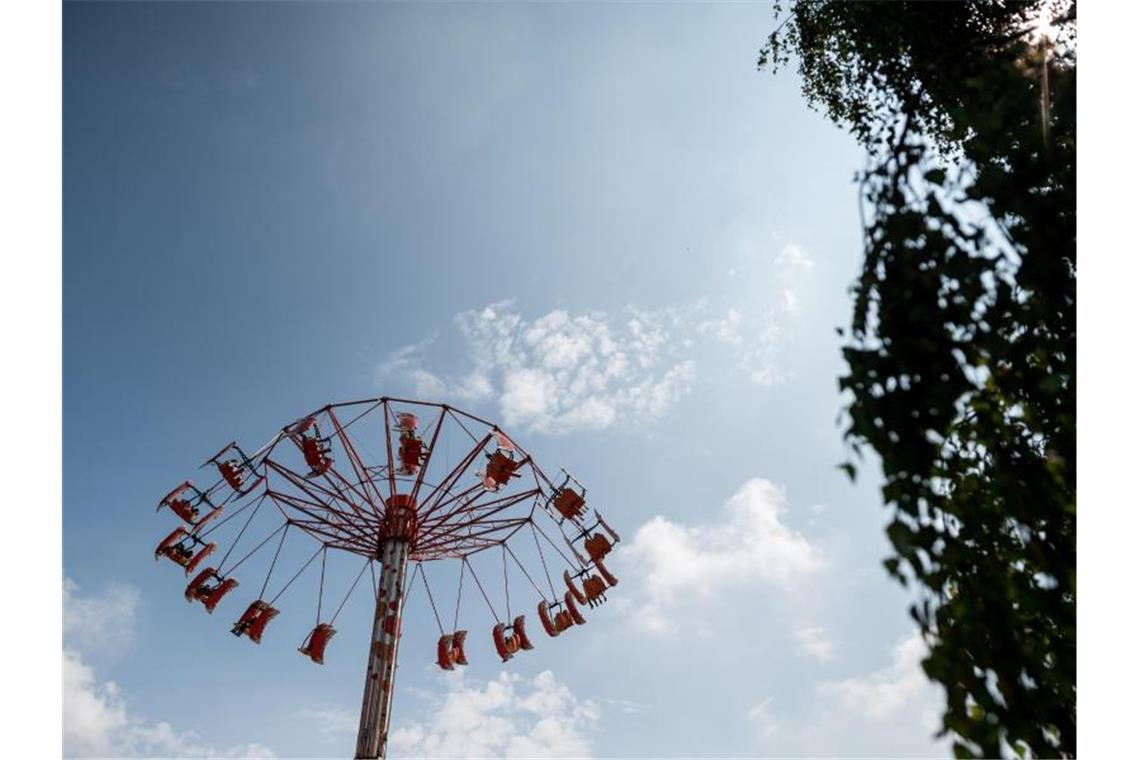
[(762, 719), (103, 621), (898, 690), (813, 642), (332, 722), (96, 718), (561, 372), (507, 717), (748, 542), (791, 263), (97, 723)]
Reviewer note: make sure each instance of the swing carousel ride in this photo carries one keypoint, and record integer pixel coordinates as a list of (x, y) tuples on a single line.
[(447, 486)]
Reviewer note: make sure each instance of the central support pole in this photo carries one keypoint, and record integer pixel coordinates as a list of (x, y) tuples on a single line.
[(397, 535)]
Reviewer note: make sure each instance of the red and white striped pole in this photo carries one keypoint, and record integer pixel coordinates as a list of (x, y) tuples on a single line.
[(397, 536)]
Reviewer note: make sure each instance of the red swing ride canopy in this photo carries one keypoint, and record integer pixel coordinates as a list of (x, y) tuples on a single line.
[(353, 475)]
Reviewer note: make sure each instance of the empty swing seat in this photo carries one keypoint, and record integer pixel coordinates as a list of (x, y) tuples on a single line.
[(598, 546), (557, 624), (508, 643), (314, 646), (449, 650)]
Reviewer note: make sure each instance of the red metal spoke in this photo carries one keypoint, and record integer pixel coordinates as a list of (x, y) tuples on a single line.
[(358, 465)]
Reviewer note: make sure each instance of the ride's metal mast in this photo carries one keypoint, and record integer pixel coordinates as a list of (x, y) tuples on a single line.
[(397, 535)]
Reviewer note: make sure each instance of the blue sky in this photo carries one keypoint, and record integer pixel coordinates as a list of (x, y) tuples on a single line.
[(272, 206)]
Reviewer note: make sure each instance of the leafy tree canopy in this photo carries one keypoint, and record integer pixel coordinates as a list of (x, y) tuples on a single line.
[(962, 348)]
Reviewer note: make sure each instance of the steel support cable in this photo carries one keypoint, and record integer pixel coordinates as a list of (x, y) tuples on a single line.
[(409, 584), (241, 532), (541, 556), (465, 430), (431, 599), (569, 561), (520, 564), (365, 566), (264, 541), (506, 582), (296, 575), (321, 587), (273, 564), (484, 593), (459, 593), (231, 516)]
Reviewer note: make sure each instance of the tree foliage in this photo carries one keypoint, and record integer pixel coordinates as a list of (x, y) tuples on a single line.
[(962, 348)]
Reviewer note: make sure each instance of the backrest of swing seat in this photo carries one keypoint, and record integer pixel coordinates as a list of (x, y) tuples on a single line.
[(251, 613), (443, 656), (593, 586), (175, 492), (213, 513), (196, 560), (609, 577), (572, 608), (231, 473), (223, 588), (266, 614), (318, 640), (199, 580), (182, 508), (502, 645), (175, 536), (598, 546), (501, 467), (569, 503), (457, 640), (562, 620), (548, 624), (519, 628)]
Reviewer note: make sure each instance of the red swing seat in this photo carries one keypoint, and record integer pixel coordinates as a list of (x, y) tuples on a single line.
[(508, 643), (252, 623), (449, 650), (411, 453), (500, 469), (200, 589), (181, 507), (569, 503), (232, 473), (556, 625), (314, 646), (598, 546)]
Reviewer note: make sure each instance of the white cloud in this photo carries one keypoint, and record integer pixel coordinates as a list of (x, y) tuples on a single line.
[(791, 263), (813, 642), (103, 622), (97, 723), (96, 718), (627, 706), (508, 717), (333, 722), (898, 690), (562, 372), (761, 717), (747, 543)]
